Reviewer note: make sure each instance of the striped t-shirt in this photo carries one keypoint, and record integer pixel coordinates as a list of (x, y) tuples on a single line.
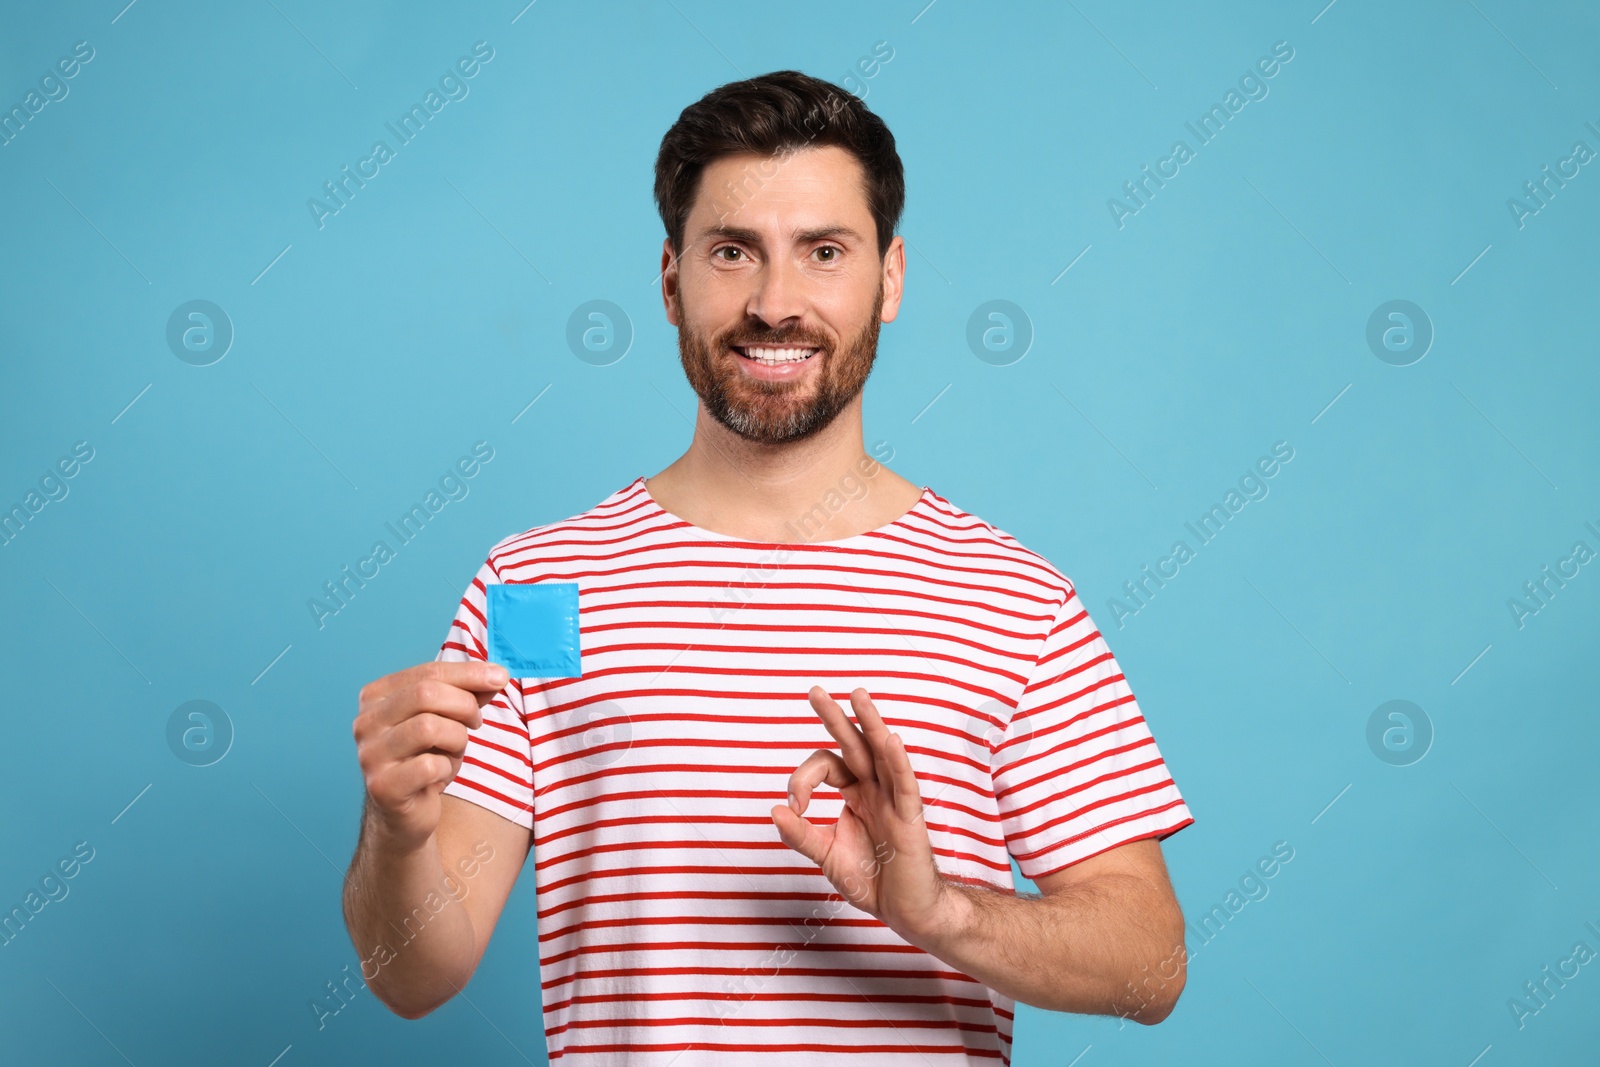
[(675, 927)]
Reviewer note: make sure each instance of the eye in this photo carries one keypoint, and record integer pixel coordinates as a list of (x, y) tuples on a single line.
[(717, 252), (832, 253)]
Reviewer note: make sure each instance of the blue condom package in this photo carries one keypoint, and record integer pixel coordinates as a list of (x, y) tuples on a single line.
[(533, 629)]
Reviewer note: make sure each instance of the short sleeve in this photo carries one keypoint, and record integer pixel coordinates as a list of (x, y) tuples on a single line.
[(1077, 770), (497, 770)]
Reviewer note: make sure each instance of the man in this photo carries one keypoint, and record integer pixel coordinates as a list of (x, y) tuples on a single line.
[(708, 892)]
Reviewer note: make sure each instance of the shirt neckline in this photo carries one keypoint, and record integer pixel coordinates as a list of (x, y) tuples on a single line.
[(923, 502)]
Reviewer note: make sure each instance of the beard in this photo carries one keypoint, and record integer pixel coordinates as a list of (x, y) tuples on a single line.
[(775, 413)]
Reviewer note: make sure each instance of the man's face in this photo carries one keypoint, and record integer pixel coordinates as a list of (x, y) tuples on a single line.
[(780, 291)]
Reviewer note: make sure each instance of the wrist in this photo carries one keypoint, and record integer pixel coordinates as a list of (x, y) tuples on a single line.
[(390, 840), (951, 920)]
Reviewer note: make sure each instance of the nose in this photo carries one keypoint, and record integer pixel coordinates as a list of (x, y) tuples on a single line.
[(779, 295)]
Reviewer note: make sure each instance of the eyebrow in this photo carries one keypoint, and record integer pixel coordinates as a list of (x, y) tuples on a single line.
[(748, 236)]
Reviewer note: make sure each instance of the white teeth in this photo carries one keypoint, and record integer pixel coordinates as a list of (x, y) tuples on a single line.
[(777, 355)]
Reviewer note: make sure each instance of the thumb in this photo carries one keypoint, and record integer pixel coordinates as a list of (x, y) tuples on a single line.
[(799, 834)]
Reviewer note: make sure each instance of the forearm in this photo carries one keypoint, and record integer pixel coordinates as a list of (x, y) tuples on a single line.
[(415, 953), (1110, 946)]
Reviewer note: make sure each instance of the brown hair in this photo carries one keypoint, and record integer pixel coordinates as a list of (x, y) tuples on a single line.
[(770, 115)]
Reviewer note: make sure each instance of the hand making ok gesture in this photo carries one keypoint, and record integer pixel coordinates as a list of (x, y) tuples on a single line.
[(878, 854)]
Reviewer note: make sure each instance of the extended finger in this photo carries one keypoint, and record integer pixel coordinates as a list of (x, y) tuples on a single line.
[(821, 766), (875, 732), (907, 793), (852, 746)]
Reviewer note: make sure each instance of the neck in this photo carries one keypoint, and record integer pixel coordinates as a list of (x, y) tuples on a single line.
[(823, 488)]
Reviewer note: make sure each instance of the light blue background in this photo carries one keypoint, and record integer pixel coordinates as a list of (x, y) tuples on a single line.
[(1227, 315)]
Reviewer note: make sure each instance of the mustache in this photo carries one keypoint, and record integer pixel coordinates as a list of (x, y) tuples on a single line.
[(787, 338)]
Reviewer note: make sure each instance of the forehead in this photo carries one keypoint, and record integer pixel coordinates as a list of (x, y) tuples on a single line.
[(802, 189)]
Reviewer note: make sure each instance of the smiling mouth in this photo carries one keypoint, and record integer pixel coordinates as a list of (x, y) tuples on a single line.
[(773, 355)]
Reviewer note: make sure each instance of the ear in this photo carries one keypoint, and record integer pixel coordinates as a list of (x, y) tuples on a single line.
[(669, 280), (894, 278)]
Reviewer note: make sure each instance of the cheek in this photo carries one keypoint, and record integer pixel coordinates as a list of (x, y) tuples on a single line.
[(861, 326), (711, 311), (865, 305)]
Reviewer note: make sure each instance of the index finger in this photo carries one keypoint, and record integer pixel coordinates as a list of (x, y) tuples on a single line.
[(475, 676), (456, 689)]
